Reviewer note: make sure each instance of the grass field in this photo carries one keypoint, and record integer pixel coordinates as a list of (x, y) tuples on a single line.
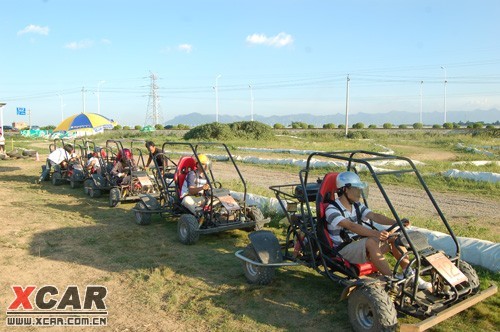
[(59, 236)]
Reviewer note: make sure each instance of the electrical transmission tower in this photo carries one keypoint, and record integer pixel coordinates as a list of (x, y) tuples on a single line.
[(153, 113)]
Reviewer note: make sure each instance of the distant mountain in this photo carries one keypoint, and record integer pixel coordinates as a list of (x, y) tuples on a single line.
[(394, 117)]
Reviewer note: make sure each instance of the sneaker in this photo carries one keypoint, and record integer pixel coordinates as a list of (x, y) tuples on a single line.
[(421, 283)]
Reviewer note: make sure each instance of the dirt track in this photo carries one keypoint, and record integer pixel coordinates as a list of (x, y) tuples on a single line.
[(457, 208)]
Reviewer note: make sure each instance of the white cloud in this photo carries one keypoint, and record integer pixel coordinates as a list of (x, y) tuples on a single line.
[(280, 40), (105, 41), (34, 29), (86, 43), (185, 48)]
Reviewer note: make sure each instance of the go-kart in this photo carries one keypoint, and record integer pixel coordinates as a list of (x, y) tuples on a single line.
[(219, 212), (374, 300), (138, 180)]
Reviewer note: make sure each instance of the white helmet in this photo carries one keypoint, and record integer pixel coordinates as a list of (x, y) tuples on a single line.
[(350, 179)]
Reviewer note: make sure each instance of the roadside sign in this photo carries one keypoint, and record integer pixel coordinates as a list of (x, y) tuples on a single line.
[(21, 111)]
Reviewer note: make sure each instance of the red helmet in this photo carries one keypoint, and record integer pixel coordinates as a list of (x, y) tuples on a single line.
[(126, 155)]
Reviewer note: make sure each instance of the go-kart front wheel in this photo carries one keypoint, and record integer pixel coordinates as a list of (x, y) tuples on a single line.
[(140, 217), (187, 229), (87, 184), (471, 275), (114, 197), (370, 309), (56, 178), (257, 275)]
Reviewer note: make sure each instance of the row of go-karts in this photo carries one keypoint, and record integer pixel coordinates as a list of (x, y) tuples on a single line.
[(157, 190), (374, 301)]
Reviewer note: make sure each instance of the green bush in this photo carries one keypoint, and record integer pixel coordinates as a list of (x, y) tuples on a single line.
[(159, 126), (117, 127), (387, 125), (436, 126), (251, 130), (299, 125), (341, 126), (209, 131), (126, 127), (137, 127), (402, 126), (310, 126), (358, 125), (329, 126), (278, 126), (362, 134), (448, 125), (372, 126), (477, 125), (418, 125)]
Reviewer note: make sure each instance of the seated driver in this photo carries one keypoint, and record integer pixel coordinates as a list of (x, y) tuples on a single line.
[(124, 165), (343, 224), (194, 185)]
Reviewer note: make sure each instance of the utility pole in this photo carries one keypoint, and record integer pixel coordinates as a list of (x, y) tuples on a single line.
[(347, 107), (153, 114), (445, 81), (421, 83), (83, 98), (62, 107), (251, 103), (217, 98)]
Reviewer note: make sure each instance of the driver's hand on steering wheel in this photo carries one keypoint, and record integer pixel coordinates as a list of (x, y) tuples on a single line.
[(383, 235), (206, 186)]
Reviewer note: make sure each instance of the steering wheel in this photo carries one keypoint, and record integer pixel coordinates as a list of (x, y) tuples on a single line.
[(396, 225), (217, 184)]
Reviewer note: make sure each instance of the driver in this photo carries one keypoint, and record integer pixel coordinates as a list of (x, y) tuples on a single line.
[(349, 227), (125, 163), (194, 185)]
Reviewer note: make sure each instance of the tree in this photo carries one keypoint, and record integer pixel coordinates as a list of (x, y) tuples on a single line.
[(387, 125), (159, 127), (126, 127), (329, 126), (358, 125), (418, 125), (372, 126), (341, 126), (448, 125), (117, 127), (137, 127), (278, 126), (436, 126), (402, 126), (478, 125)]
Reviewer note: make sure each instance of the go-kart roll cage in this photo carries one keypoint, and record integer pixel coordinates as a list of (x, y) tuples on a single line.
[(210, 179), (309, 218)]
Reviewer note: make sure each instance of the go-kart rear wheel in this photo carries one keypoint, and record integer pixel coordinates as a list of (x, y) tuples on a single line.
[(140, 217), (114, 197), (56, 178), (73, 184), (94, 192), (257, 275), (371, 309), (187, 228), (87, 184), (471, 274)]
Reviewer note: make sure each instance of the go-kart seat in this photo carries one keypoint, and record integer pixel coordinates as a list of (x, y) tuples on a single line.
[(326, 194), (185, 164)]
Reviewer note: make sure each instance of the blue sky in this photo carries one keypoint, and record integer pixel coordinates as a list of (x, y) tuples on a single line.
[(294, 54)]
